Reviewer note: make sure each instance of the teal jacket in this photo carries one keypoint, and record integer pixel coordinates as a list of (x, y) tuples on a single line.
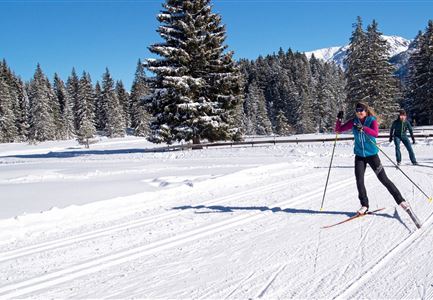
[(365, 144), (399, 128)]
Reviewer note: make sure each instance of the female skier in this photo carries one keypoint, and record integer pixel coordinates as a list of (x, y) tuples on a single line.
[(365, 128)]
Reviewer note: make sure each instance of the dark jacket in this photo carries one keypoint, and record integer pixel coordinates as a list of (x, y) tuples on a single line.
[(399, 128)]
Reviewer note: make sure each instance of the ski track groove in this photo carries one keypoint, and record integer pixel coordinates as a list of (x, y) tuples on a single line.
[(95, 265), (246, 279), (57, 243), (353, 255), (271, 280), (366, 275)]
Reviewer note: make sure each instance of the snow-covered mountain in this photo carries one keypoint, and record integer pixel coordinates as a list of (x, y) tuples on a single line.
[(397, 45)]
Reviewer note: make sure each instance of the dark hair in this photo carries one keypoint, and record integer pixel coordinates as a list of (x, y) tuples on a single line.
[(402, 112)]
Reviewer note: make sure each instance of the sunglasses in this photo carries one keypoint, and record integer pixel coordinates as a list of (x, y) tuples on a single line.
[(358, 110)]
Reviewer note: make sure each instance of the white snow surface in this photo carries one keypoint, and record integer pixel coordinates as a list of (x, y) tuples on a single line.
[(218, 223)]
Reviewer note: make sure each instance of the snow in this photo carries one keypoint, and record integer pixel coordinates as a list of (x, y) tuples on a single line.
[(115, 221), (337, 54)]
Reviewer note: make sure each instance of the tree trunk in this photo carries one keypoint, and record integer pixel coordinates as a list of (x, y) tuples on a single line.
[(196, 143)]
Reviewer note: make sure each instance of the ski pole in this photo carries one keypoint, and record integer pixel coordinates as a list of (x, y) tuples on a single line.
[(329, 171), (383, 152)]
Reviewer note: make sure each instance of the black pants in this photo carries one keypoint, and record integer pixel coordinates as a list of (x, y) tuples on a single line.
[(374, 162)]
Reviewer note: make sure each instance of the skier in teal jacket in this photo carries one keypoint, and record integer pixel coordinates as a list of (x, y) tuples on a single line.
[(365, 128), (398, 134)]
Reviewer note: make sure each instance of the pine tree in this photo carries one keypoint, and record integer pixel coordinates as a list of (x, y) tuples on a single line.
[(112, 110), (354, 66), (66, 130), (256, 113), (123, 97), (196, 90), (16, 97), (42, 126), (100, 119), (421, 78), (85, 110), (72, 89), (8, 131), (369, 74), (382, 89), (140, 118), (282, 125)]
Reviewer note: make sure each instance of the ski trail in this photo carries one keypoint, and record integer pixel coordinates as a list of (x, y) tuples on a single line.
[(271, 280), (16, 253), (240, 284), (360, 250), (98, 264), (317, 251), (368, 274)]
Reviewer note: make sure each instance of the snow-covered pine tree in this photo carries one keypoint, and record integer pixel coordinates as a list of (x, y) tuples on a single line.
[(85, 110), (22, 113), (369, 74), (17, 98), (123, 97), (55, 108), (112, 110), (257, 120), (67, 129), (381, 91), (139, 116), (72, 89), (100, 119), (421, 78), (282, 125), (304, 110), (354, 66), (195, 94), (8, 131), (42, 126)]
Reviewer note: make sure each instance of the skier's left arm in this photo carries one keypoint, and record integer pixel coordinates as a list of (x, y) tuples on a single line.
[(373, 130), (409, 127)]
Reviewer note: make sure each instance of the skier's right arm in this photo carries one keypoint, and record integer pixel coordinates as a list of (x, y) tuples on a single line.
[(340, 127)]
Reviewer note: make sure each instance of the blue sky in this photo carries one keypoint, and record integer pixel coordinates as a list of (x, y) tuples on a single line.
[(92, 35)]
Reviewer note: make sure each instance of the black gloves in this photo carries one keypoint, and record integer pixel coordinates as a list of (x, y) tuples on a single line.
[(340, 115), (359, 126), (390, 139)]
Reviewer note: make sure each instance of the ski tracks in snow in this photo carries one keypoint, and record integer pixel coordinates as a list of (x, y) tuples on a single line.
[(95, 265), (28, 250), (358, 283)]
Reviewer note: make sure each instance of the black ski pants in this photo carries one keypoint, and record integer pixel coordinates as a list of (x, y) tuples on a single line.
[(375, 164)]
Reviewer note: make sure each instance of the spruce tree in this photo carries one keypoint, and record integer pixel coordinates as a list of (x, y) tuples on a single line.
[(64, 100), (139, 117), (369, 74), (421, 78), (282, 125), (42, 126), (195, 94), (382, 91), (112, 110), (8, 131), (85, 110), (354, 66), (72, 89), (123, 97), (100, 119)]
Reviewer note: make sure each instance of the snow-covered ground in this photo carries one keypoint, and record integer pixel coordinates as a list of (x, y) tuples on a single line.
[(243, 222)]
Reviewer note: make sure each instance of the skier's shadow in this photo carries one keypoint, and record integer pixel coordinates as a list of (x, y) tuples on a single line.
[(204, 209)]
